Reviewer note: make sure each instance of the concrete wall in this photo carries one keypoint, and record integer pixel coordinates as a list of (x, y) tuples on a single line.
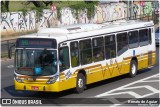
[(15, 21)]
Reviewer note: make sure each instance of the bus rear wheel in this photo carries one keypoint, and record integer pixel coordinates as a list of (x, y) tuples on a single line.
[(133, 69), (80, 84)]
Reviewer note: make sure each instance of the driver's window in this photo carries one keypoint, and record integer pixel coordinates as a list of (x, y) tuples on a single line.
[(64, 58)]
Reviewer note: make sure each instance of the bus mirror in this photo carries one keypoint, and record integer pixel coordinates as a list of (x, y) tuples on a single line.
[(10, 51)]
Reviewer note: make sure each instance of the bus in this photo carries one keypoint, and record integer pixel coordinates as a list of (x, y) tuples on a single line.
[(65, 57)]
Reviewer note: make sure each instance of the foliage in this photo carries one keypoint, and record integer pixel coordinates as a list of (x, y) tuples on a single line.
[(24, 12), (4, 6), (80, 6), (58, 12), (38, 6), (39, 11), (83, 5)]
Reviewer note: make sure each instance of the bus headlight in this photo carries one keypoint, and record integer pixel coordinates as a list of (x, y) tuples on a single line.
[(52, 80), (18, 79)]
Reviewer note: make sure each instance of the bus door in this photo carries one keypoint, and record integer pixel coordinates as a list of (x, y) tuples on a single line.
[(64, 66), (150, 47), (145, 44)]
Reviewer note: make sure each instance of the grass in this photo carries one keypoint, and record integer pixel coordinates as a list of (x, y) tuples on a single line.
[(15, 6)]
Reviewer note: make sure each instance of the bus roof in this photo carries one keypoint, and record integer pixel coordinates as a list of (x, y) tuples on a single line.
[(63, 33)]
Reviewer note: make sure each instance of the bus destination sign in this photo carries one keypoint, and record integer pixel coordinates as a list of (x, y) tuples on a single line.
[(36, 43)]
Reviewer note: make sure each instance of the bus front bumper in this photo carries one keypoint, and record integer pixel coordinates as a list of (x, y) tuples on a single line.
[(37, 87)]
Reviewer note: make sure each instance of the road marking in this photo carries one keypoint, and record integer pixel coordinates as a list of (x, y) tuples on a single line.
[(151, 67), (145, 86), (151, 81), (126, 92), (120, 88), (10, 66)]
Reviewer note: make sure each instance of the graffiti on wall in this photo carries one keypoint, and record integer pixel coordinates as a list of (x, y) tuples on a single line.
[(48, 19), (147, 9), (144, 8), (136, 9), (67, 18), (82, 17), (15, 21), (108, 12)]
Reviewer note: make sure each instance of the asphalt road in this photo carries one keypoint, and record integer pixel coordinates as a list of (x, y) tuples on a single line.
[(144, 85)]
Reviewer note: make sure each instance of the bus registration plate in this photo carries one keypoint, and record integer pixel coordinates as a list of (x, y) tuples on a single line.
[(35, 87)]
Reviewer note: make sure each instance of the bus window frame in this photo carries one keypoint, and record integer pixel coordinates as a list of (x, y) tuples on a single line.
[(115, 39), (117, 42), (140, 43), (137, 42), (61, 61), (79, 62), (102, 46), (81, 52), (150, 35)]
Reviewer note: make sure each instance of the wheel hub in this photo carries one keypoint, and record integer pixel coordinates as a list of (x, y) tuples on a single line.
[(80, 83), (133, 69)]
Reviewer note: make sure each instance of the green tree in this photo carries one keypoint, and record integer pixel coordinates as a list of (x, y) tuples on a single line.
[(4, 6)]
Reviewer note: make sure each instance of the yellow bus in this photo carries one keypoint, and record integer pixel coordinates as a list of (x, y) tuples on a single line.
[(65, 57)]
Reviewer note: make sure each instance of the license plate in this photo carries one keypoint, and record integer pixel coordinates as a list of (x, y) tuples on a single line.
[(35, 87)]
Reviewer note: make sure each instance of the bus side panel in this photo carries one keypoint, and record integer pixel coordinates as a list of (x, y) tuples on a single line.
[(65, 84), (142, 62), (94, 74), (116, 69), (112, 71), (154, 58)]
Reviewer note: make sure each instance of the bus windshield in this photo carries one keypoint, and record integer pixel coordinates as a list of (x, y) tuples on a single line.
[(33, 62)]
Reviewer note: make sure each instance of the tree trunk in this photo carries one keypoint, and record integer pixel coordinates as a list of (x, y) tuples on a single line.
[(38, 3), (7, 5)]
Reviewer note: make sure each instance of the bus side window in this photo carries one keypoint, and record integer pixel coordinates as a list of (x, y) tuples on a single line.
[(143, 37), (64, 58), (110, 46), (133, 39), (149, 35), (98, 49), (85, 51), (74, 54), (122, 43)]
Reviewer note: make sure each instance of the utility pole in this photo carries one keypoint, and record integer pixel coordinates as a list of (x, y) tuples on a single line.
[(128, 10), (132, 13)]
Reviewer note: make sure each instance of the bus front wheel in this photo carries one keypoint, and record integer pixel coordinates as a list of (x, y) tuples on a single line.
[(80, 84), (133, 69)]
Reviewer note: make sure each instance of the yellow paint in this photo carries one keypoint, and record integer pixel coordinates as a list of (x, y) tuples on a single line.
[(48, 87), (93, 74)]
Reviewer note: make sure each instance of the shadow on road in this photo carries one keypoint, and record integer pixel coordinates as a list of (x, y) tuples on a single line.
[(32, 94), (45, 95)]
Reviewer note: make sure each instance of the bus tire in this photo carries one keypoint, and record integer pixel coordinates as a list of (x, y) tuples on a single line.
[(133, 69), (80, 83)]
